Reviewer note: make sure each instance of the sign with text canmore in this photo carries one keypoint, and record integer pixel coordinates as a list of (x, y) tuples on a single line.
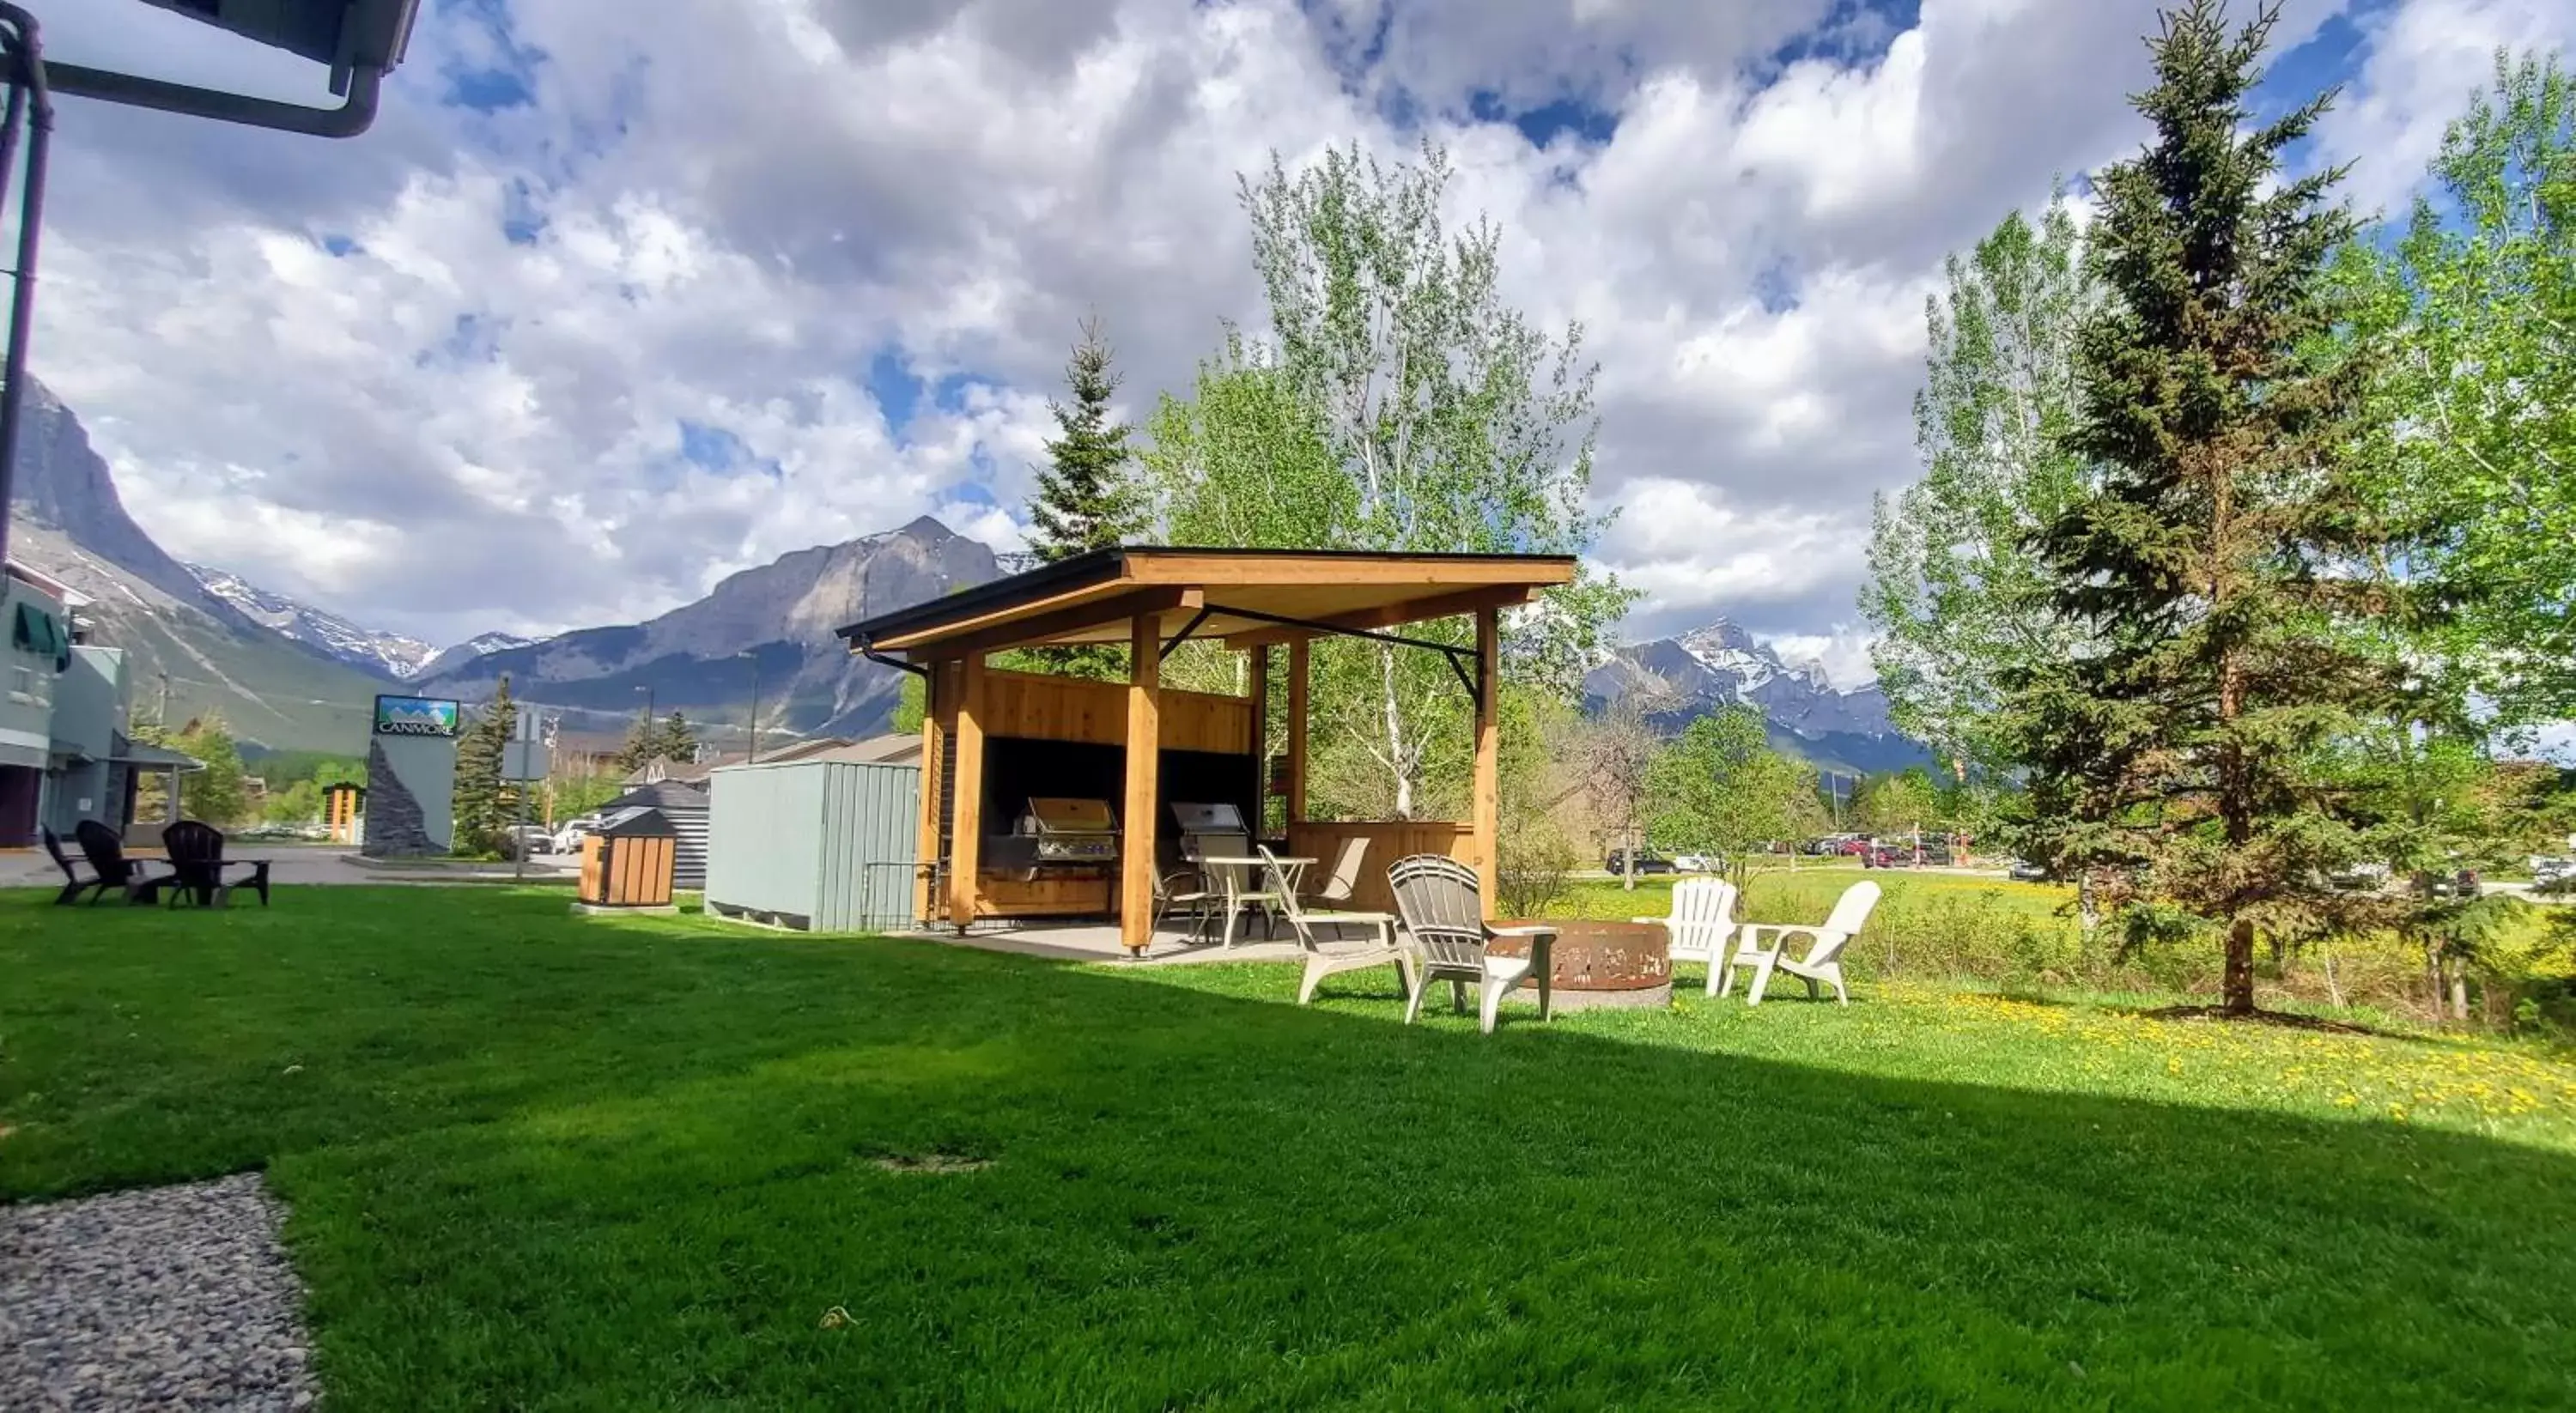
[(415, 716)]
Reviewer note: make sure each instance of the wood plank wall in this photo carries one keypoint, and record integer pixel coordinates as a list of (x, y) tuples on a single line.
[(1043, 708), (1388, 841)]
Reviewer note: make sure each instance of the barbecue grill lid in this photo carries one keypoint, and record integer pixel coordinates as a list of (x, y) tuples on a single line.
[(1222, 817), (1056, 815)]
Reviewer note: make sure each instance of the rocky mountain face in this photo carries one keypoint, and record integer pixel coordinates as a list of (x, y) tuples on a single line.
[(1722, 665), (782, 614), (199, 652), (366, 649)]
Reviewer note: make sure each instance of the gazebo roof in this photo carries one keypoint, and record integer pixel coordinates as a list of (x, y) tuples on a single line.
[(1246, 596)]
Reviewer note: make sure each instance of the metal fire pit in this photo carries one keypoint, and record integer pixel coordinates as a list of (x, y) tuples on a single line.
[(1602, 963)]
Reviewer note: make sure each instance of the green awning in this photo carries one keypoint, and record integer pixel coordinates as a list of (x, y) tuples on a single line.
[(39, 632)]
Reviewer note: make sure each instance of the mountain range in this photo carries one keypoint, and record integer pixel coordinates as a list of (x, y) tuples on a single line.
[(1710, 668), (289, 675), (386, 654)]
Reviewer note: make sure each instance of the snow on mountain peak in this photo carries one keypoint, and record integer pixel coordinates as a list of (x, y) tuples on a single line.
[(1722, 647), (384, 654)]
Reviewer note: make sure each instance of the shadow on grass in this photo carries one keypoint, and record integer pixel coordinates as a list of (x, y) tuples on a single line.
[(634, 1164)]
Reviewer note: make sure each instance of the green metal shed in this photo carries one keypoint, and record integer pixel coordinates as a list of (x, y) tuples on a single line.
[(817, 845)]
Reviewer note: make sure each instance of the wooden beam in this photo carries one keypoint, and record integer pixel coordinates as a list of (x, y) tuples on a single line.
[(966, 830), (1073, 618), (1297, 671), (1394, 615), (936, 714), (1136, 855), (1489, 758), (1260, 739), (1218, 571), (1070, 598)]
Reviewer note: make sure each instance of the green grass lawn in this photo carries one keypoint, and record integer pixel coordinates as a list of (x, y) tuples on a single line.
[(537, 1160)]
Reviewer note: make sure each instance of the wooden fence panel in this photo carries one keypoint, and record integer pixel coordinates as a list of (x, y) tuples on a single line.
[(1388, 840)]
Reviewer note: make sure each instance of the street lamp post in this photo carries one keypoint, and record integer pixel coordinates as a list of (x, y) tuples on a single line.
[(752, 753)]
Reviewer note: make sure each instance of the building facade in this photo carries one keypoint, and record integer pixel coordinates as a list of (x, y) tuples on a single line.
[(64, 752)]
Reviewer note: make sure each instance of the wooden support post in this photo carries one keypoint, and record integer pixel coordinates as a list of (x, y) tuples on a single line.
[(1136, 856), (1297, 663), (936, 712), (1260, 739), (1489, 757), (966, 832)]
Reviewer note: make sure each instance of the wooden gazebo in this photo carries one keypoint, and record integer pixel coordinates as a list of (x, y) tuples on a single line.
[(1053, 735)]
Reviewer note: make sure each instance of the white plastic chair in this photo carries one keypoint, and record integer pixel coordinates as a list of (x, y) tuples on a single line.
[(1702, 925), (1850, 914), (1445, 919), (1321, 961)]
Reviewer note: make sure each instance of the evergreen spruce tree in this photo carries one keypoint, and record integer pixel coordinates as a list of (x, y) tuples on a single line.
[(1088, 496), (2223, 562), (677, 741), (479, 810)]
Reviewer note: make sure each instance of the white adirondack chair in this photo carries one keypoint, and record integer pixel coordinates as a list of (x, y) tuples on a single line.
[(1702, 925), (1322, 961), (1850, 914), (1446, 921)]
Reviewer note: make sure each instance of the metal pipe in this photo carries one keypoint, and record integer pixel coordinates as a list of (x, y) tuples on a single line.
[(354, 115), (27, 58)]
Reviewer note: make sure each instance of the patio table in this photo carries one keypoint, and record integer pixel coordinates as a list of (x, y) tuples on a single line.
[(1290, 870)]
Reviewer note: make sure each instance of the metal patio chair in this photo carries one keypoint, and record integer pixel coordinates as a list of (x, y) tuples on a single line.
[(1322, 961)]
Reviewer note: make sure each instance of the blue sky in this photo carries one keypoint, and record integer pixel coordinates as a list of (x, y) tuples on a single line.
[(604, 310)]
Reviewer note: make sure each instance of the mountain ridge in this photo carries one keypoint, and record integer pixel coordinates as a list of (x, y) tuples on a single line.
[(185, 645), (1719, 664), (390, 655), (782, 614)]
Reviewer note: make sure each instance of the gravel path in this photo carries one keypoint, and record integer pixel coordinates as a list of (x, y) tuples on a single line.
[(168, 1297)]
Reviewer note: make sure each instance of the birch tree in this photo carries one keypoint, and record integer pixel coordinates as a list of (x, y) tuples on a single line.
[(1956, 593), (1408, 407), (2472, 316)]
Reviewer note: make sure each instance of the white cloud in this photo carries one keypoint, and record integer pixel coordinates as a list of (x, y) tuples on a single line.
[(734, 215)]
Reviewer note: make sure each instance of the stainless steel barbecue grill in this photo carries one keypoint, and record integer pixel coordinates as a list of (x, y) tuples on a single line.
[(1072, 833), (1211, 829)]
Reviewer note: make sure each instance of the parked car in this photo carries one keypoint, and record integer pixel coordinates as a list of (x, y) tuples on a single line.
[(528, 840), (570, 833), (2024, 871), (1834, 845), (1647, 861), (2551, 873), (2360, 877), (1933, 851), (2459, 883), (1694, 863)]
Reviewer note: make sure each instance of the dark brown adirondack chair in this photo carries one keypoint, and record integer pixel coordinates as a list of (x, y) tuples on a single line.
[(198, 863), (106, 854), (74, 884)]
